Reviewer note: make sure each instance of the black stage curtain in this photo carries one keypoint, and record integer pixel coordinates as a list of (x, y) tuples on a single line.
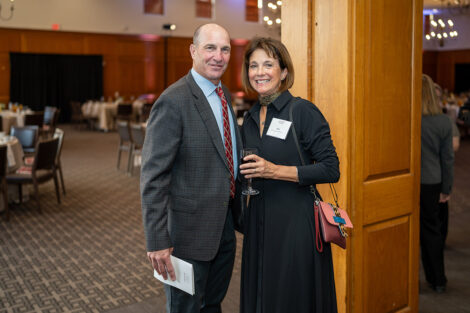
[(39, 80), (462, 77)]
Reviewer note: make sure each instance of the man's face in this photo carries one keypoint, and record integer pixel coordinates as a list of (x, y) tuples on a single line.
[(211, 53)]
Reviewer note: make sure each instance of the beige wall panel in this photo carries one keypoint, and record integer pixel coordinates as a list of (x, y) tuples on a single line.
[(388, 105), (331, 94), (296, 34), (386, 258), (387, 198)]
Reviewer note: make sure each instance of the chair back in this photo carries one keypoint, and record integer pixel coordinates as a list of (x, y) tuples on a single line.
[(49, 115), (123, 130), (138, 134), (76, 109), (3, 161), (34, 119), (124, 109), (146, 111), (46, 152), (28, 136), (59, 133)]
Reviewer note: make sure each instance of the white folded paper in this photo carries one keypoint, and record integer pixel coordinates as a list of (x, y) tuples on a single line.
[(184, 276)]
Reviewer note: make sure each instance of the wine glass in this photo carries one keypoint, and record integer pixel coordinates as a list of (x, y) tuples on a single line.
[(249, 190)]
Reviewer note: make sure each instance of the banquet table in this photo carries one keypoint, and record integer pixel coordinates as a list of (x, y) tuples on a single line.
[(105, 112), (10, 118), (14, 162)]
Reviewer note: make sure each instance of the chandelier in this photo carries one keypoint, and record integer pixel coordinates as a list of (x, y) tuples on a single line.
[(271, 13), (12, 8), (439, 29)]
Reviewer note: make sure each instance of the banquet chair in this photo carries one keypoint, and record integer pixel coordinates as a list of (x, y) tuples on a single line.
[(146, 108), (125, 141), (51, 117), (59, 133), (28, 136), (124, 112), (34, 119), (43, 170), (3, 181), (77, 114), (138, 137)]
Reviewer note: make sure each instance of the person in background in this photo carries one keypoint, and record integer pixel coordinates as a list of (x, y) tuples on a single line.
[(444, 206), (282, 271), (188, 177), (437, 161)]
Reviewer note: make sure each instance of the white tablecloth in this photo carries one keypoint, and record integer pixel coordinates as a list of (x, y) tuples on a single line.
[(14, 152), (106, 112), (15, 161), (10, 119)]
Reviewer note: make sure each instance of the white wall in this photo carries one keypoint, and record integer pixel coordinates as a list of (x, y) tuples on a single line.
[(462, 41), (127, 17)]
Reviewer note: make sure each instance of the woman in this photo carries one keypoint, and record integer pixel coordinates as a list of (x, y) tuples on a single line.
[(437, 161), (281, 269)]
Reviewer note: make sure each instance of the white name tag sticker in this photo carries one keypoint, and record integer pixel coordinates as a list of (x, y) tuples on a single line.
[(279, 128)]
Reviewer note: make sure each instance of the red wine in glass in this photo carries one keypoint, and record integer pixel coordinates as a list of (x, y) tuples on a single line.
[(249, 189)]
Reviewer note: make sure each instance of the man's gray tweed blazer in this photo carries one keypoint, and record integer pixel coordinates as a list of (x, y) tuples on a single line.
[(185, 179)]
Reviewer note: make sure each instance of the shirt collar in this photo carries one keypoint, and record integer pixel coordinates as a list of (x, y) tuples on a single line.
[(278, 103), (206, 85)]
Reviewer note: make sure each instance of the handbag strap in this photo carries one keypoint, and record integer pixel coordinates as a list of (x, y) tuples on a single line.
[(296, 140), (317, 205)]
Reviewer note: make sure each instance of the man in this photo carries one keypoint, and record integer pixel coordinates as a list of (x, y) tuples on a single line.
[(187, 180)]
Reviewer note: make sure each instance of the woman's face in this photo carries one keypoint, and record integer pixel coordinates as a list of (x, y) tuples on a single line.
[(264, 73)]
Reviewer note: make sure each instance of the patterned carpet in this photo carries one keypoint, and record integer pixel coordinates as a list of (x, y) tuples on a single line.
[(88, 254)]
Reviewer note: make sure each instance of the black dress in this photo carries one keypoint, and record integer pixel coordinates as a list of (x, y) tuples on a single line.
[(282, 272)]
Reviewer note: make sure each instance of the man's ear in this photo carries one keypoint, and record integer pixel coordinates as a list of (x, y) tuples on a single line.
[(192, 50)]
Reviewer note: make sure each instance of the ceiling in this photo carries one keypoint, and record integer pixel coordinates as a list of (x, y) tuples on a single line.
[(439, 3)]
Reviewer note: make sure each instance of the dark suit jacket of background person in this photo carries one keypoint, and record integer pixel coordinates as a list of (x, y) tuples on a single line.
[(185, 179)]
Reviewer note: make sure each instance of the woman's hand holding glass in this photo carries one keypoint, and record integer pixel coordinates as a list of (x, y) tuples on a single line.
[(257, 167)]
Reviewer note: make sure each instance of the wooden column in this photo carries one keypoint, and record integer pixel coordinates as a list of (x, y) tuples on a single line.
[(360, 63)]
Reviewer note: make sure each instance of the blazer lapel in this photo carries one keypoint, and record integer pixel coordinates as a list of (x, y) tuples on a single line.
[(207, 116)]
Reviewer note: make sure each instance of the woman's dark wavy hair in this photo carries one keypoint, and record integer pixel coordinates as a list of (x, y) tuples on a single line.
[(275, 49)]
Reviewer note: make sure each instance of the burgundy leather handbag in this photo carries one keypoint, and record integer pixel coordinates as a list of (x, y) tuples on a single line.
[(330, 220)]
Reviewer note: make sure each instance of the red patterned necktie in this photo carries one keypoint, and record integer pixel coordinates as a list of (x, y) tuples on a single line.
[(227, 139)]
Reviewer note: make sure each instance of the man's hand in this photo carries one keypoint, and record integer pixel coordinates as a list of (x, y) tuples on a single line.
[(443, 198), (161, 262)]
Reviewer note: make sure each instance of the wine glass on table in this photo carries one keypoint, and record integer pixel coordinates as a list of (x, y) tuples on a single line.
[(249, 189)]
